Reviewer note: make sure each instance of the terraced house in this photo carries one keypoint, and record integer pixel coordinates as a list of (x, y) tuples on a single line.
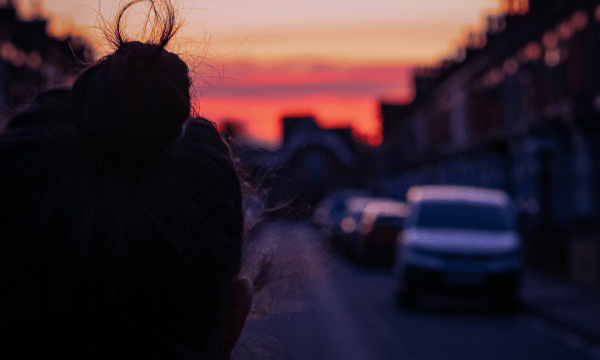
[(519, 109), (32, 60)]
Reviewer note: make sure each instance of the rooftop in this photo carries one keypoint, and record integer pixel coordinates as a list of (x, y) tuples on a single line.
[(454, 192)]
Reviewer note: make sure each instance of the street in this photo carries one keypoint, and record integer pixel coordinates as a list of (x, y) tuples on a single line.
[(351, 313)]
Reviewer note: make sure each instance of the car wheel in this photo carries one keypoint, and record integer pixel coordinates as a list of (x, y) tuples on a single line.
[(508, 304), (358, 250), (508, 300), (332, 242), (343, 248), (407, 297)]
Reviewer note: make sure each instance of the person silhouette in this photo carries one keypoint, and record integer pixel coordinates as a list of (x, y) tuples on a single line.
[(122, 224)]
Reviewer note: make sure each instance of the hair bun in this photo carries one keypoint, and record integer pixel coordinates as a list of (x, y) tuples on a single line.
[(133, 103)]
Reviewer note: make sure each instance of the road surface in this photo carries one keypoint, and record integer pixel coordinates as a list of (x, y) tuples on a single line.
[(349, 312)]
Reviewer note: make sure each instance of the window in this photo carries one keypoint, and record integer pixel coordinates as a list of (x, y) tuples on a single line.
[(464, 215)]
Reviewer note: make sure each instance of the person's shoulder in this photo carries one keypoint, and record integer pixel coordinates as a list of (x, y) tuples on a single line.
[(47, 108)]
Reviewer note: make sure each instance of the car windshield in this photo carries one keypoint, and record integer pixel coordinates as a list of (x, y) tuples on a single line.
[(392, 221), (464, 215)]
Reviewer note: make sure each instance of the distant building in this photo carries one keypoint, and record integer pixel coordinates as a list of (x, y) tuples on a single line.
[(519, 109), (310, 163), (31, 60)]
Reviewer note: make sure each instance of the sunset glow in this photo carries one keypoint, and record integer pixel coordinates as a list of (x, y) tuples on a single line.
[(336, 96), (329, 111), (266, 58)]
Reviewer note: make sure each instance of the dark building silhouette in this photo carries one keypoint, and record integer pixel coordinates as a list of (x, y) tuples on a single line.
[(31, 60), (521, 113), (310, 163)]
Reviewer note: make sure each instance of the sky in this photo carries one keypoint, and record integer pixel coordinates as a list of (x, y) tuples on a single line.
[(263, 59)]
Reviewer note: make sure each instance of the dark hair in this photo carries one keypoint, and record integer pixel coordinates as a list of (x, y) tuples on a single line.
[(122, 225)]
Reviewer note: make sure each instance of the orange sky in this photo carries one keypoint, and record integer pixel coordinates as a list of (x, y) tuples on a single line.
[(265, 58), (336, 95)]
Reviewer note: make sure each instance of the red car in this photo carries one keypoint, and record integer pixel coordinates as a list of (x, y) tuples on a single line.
[(377, 229)]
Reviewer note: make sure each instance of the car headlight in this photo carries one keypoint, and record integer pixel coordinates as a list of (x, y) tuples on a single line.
[(348, 225)]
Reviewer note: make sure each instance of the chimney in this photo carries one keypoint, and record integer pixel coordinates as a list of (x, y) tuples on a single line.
[(517, 7)]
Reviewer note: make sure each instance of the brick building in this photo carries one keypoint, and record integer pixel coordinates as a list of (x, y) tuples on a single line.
[(32, 60), (518, 109)]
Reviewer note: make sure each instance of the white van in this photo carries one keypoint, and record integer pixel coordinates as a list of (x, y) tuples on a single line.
[(459, 239)]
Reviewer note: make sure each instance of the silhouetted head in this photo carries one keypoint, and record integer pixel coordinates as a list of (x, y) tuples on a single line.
[(121, 223), (133, 102)]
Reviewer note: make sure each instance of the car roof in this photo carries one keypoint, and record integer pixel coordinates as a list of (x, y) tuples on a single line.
[(421, 193), (377, 206), (358, 203)]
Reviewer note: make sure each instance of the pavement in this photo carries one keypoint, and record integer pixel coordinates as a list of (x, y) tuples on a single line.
[(566, 304)]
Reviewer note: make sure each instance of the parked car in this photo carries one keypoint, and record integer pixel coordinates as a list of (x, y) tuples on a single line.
[(378, 225), (350, 222), (459, 239), (330, 212)]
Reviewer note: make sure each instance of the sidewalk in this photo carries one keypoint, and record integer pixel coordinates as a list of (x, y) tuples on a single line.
[(573, 307)]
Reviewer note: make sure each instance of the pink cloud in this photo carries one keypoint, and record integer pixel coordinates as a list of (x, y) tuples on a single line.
[(338, 96)]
